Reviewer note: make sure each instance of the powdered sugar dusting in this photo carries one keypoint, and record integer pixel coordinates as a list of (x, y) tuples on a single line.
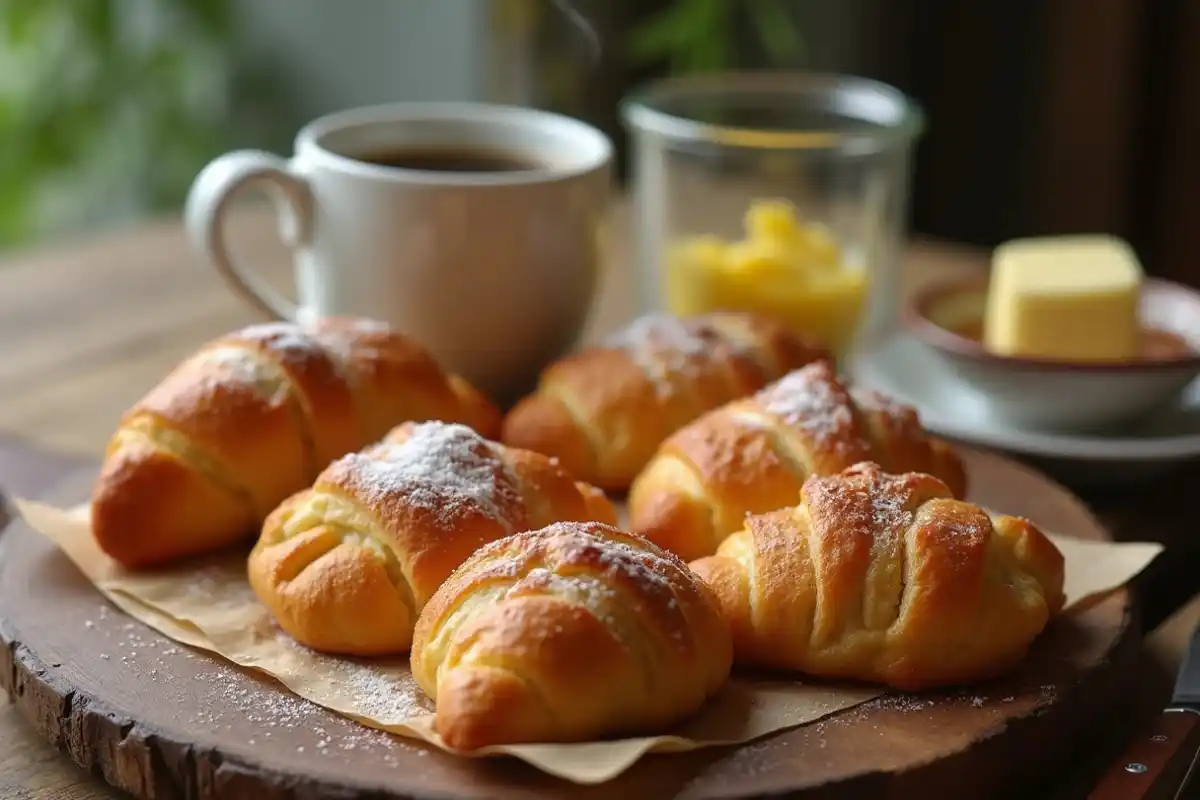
[(578, 543), (243, 708), (871, 400), (240, 365), (387, 696), (890, 514), (807, 399), (445, 469), (638, 567), (662, 331), (346, 335), (280, 335), (882, 506), (668, 348), (364, 325), (572, 561)]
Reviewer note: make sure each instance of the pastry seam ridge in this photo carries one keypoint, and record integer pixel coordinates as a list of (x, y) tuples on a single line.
[(393, 562), (298, 402), (152, 429), (557, 393)]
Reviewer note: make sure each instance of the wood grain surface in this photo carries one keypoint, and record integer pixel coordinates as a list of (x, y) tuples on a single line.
[(87, 326), (159, 720)]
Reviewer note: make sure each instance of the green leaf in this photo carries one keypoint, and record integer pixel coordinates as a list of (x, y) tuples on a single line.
[(97, 18), (777, 30), (690, 35), (661, 35), (214, 16), (21, 18)]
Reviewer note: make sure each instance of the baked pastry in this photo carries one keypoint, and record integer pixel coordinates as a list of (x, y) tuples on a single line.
[(347, 565), (251, 418), (574, 632), (753, 455), (885, 578), (604, 410)]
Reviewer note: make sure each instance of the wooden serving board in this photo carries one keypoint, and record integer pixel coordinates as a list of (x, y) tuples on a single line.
[(159, 720)]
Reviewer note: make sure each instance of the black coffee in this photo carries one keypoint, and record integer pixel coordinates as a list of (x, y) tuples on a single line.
[(450, 160)]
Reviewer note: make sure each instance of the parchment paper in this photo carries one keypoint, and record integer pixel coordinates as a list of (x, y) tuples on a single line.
[(209, 605)]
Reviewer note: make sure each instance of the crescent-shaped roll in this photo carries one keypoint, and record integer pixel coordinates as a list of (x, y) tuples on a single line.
[(604, 410), (753, 455), (347, 565), (574, 632), (888, 579), (251, 418)]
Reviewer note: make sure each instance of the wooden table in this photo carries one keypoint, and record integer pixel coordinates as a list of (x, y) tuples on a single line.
[(86, 327)]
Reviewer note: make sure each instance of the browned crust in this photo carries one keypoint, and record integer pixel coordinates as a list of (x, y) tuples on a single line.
[(728, 584), (613, 408), (335, 597), (603, 415), (326, 404), (394, 379), (148, 508), (346, 381), (254, 439), (537, 666), (542, 423), (477, 411), (344, 603), (139, 741), (888, 579), (748, 460)]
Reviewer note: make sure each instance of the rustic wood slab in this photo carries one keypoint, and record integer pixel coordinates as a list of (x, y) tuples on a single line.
[(159, 720)]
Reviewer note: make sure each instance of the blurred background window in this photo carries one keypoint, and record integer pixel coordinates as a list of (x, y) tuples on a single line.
[(1044, 115)]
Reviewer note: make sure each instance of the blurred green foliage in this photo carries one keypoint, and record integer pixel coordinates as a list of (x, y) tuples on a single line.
[(107, 108), (711, 35)]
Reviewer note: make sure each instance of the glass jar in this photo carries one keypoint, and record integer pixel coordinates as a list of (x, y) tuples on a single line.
[(782, 193)]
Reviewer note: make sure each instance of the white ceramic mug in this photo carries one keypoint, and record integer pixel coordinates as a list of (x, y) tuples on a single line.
[(494, 272)]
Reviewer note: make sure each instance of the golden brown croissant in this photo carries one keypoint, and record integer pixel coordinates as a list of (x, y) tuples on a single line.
[(251, 418), (752, 456), (573, 632), (885, 578), (346, 566), (604, 410)]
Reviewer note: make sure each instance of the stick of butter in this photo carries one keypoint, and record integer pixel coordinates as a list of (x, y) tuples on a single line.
[(1065, 297)]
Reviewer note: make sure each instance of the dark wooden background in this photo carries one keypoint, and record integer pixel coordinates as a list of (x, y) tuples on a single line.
[(1045, 116)]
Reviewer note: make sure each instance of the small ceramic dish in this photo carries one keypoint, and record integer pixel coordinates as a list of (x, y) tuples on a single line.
[(1049, 394)]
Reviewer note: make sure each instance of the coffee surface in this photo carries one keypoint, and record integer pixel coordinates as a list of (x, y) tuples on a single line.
[(449, 160)]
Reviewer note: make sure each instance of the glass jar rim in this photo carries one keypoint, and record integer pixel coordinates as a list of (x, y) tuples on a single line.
[(896, 119)]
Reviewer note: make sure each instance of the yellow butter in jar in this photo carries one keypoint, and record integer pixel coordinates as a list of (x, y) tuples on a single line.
[(784, 267)]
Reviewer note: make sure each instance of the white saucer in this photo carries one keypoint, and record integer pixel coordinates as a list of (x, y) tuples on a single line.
[(903, 368)]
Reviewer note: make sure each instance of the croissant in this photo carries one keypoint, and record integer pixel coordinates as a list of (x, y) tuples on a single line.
[(347, 565), (604, 410), (569, 633), (752, 456), (252, 417), (888, 579)]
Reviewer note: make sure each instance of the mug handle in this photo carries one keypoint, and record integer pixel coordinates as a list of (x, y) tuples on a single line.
[(208, 203)]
